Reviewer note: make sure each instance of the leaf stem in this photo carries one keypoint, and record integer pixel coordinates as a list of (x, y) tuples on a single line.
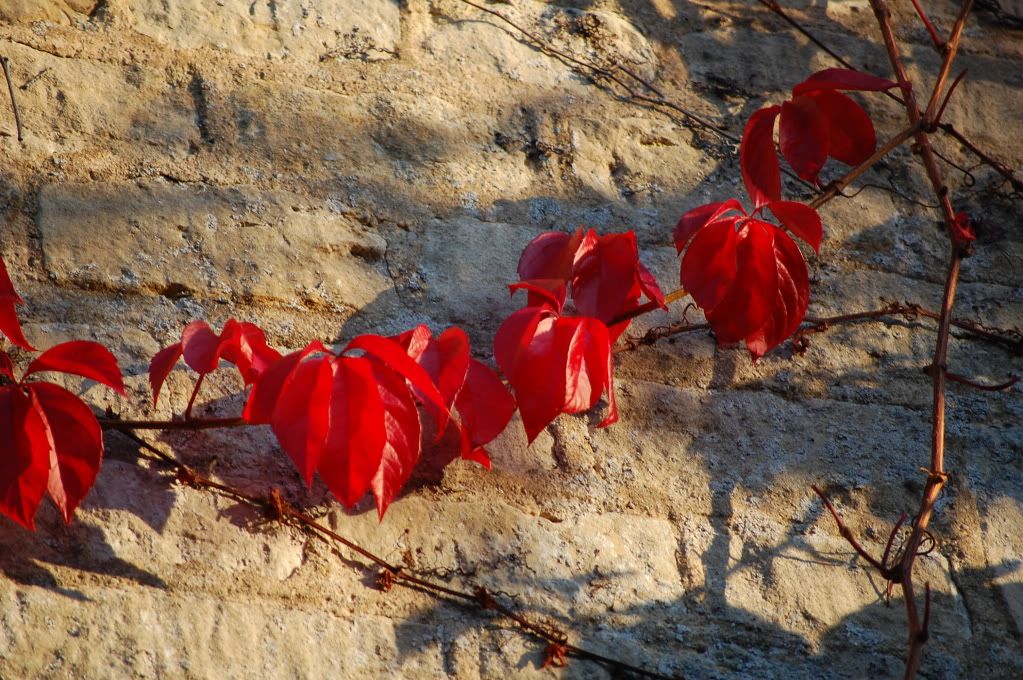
[(14, 103)]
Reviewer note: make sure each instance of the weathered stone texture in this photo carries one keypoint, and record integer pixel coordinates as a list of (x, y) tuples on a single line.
[(332, 167)]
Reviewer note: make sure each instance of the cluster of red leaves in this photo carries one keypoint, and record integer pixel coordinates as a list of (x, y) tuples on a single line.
[(817, 123), (558, 362), (748, 275), (354, 419), (50, 441)]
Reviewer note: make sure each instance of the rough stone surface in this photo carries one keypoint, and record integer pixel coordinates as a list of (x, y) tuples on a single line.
[(332, 167)]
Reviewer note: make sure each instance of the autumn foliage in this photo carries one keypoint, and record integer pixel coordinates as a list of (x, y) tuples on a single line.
[(355, 416)]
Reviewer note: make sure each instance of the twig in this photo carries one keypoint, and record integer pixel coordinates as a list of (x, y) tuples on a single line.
[(998, 387), (275, 507), (939, 44), (190, 424), (847, 534), (936, 475), (836, 187), (14, 103), (1009, 339)]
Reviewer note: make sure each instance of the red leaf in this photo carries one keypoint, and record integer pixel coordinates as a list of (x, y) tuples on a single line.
[(446, 361), (538, 377), (259, 407), (606, 279), (550, 292), (791, 301), (392, 355), (761, 171), (25, 457), (750, 278), (803, 137), (851, 136), (356, 435), (9, 324), (77, 445), (695, 219), (801, 220), (160, 367), (842, 79), (751, 294), (402, 442), (550, 255), (512, 339), (485, 406), (651, 289), (242, 344), (711, 263), (79, 357), (202, 347), (249, 352), (552, 364), (300, 416)]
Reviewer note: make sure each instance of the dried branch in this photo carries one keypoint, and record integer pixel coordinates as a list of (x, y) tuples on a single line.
[(4, 63), (276, 508)]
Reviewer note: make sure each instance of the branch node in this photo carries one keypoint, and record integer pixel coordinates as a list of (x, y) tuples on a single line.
[(554, 655), (386, 578), (485, 599), (189, 477), (276, 507)]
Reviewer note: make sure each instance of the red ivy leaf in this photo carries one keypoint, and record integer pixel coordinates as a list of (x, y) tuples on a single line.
[(77, 442), (803, 137), (747, 275), (394, 356), (80, 357), (851, 136), (242, 344), (9, 324), (357, 431), (694, 220), (259, 408), (604, 273), (761, 171), (301, 414), (485, 406), (25, 463), (555, 365), (550, 255), (801, 220), (402, 444), (354, 420), (842, 79), (160, 367)]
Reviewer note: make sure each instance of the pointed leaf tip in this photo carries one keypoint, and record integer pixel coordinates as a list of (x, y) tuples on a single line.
[(80, 357)]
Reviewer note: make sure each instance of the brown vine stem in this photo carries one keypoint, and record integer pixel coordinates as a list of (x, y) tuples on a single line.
[(273, 505), (600, 71), (4, 63), (998, 166), (836, 187), (189, 424), (936, 475), (1009, 339)]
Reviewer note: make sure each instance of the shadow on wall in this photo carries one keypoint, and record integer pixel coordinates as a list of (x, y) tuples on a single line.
[(423, 269)]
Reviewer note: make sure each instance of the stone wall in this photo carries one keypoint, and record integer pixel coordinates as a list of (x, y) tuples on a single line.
[(331, 167)]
